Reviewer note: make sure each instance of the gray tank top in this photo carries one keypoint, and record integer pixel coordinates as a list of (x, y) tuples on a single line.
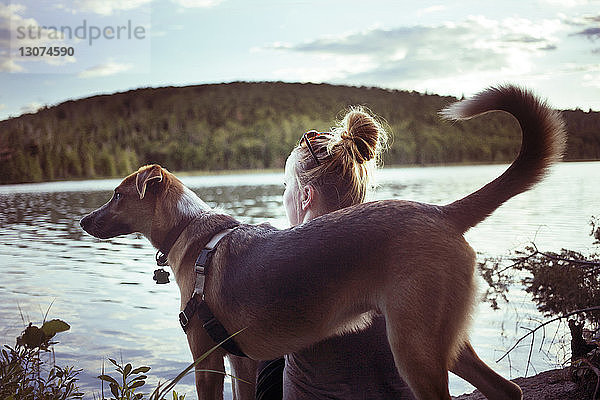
[(356, 366)]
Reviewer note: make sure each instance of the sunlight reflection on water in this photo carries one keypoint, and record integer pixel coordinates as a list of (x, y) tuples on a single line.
[(105, 291)]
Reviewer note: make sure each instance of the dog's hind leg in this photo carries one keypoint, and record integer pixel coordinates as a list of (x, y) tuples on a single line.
[(472, 369), (420, 364)]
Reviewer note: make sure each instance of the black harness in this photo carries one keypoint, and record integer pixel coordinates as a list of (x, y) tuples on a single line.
[(197, 304)]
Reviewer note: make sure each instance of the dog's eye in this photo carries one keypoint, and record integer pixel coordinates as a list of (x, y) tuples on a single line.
[(117, 195)]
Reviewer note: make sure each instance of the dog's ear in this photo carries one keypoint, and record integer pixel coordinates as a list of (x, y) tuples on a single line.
[(146, 176)]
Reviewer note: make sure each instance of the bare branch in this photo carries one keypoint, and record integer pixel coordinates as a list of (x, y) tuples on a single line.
[(532, 331)]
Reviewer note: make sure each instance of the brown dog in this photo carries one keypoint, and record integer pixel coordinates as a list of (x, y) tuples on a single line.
[(287, 289)]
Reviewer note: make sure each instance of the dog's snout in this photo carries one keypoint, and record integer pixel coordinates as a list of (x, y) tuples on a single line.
[(102, 226), (85, 222)]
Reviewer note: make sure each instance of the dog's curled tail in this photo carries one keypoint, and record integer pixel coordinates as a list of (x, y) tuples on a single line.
[(543, 143)]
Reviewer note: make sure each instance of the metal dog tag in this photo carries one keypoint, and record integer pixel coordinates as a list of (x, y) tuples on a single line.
[(161, 276)]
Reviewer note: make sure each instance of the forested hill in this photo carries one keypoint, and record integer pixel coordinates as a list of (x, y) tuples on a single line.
[(247, 125)]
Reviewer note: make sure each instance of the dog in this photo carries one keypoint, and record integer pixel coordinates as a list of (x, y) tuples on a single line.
[(283, 290)]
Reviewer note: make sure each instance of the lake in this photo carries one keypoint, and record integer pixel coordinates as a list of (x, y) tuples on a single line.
[(104, 288)]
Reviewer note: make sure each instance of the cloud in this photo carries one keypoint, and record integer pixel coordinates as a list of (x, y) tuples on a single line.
[(566, 3), (405, 56), (11, 19), (580, 20), (432, 9), (31, 107), (110, 7), (590, 33), (477, 34), (588, 28), (7, 10), (101, 7), (2, 106), (106, 69), (589, 74), (197, 3), (8, 65)]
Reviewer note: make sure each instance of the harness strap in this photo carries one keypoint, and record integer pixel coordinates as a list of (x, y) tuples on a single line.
[(210, 323)]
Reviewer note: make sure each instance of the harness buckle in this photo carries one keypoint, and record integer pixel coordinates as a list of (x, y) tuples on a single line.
[(183, 320), (202, 259)]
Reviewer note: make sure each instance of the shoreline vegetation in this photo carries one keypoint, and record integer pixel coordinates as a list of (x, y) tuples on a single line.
[(28, 371), (200, 173), (249, 126)]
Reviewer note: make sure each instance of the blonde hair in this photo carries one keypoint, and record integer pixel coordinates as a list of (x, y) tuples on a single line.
[(347, 158)]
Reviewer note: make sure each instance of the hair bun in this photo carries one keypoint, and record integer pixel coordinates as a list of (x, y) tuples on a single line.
[(345, 160), (362, 134)]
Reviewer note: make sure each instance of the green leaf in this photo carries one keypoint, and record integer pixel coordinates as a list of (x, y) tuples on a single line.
[(177, 396), (114, 388), (137, 384), (127, 370), (113, 361), (140, 369), (137, 378), (32, 337), (108, 378), (55, 326)]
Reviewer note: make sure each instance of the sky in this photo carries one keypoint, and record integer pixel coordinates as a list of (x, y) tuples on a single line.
[(449, 48)]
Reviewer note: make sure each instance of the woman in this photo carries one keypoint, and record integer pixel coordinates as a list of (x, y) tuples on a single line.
[(325, 172)]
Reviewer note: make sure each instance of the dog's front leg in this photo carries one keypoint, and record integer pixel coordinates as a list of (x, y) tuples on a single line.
[(210, 371), (244, 376)]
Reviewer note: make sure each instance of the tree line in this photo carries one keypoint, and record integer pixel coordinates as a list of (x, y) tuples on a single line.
[(244, 125)]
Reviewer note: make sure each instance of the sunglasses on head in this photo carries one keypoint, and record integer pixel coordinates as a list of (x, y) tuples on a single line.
[(308, 136)]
